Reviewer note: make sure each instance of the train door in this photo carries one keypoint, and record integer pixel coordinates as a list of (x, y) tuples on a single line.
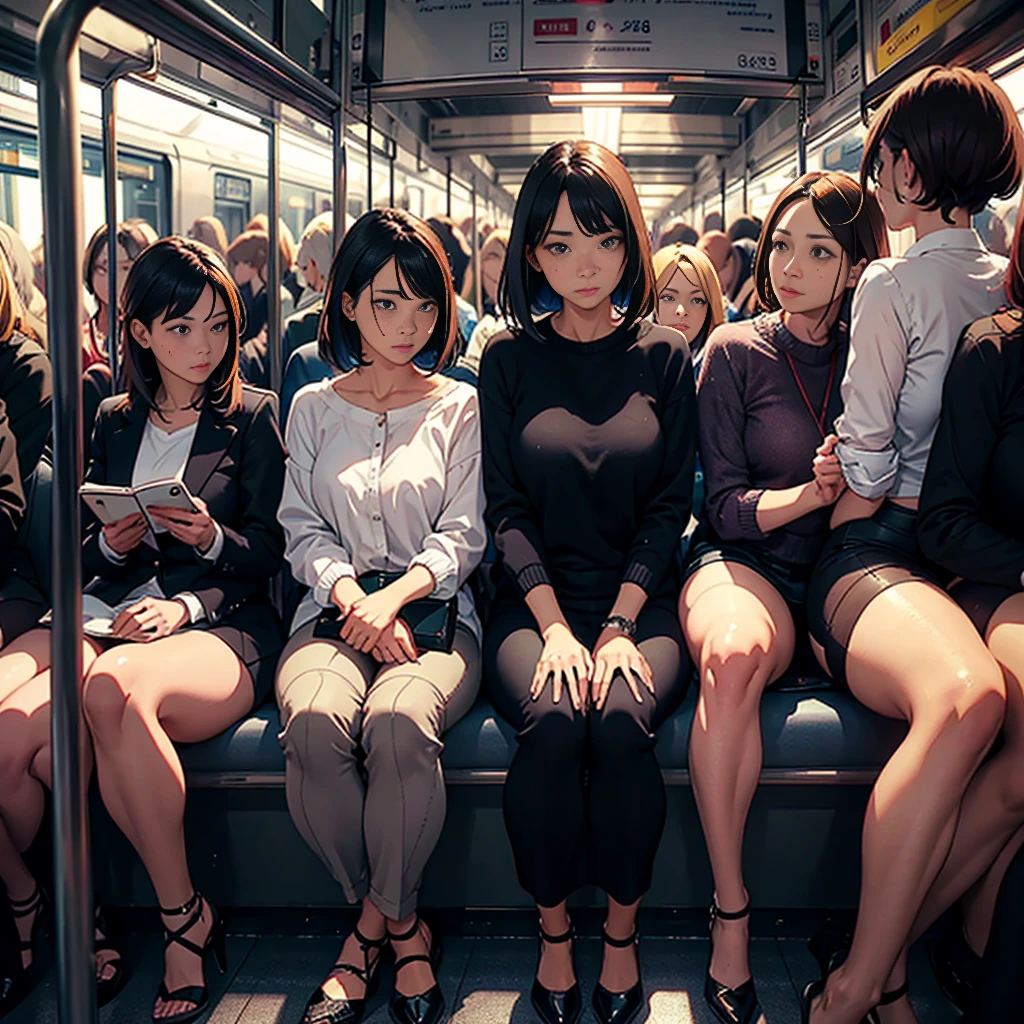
[(232, 202)]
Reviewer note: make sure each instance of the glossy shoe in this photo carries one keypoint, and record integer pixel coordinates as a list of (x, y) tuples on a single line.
[(619, 1007), (17, 983), (729, 1005), (955, 964), (426, 1007), (556, 1007), (322, 1009), (888, 997), (198, 995), (811, 991), (830, 946)]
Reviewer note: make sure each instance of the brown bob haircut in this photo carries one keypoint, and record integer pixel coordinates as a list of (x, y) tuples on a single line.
[(962, 136), (132, 236), (602, 198), (848, 212), (377, 238), (251, 247), (167, 281)]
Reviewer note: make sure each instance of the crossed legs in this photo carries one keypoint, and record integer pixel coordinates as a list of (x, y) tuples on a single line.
[(740, 634)]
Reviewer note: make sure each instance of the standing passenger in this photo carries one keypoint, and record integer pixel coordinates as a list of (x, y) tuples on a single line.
[(589, 423), (941, 147), (767, 388), (383, 490)]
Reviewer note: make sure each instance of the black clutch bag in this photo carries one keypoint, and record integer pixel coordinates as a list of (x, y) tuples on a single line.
[(431, 621)]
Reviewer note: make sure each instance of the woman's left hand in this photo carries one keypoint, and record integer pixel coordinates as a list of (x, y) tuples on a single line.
[(150, 619), (368, 617), (197, 529), (614, 651)]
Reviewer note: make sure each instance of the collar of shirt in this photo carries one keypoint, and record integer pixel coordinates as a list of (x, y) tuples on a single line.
[(947, 238)]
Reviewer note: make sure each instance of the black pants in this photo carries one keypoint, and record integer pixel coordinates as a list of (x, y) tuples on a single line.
[(999, 995), (584, 800)]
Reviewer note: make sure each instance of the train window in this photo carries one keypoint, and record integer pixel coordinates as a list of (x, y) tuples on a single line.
[(298, 206), (232, 202)]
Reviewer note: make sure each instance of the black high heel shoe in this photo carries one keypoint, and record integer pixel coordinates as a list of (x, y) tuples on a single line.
[(811, 991), (198, 995), (14, 988), (619, 1007), (322, 1009), (426, 1007), (892, 996), (556, 1007), (729, 1005)]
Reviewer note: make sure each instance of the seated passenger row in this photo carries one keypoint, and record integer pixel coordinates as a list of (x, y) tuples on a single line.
[(826, 534)]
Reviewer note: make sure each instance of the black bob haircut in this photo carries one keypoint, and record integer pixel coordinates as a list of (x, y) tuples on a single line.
[(602, 198), (167, 281), (378, 237)]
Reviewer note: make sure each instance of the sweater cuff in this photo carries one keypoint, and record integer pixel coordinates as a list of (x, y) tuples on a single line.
[(446, 577), (640, 574), (325, 584), (746, 513), (530, 576)]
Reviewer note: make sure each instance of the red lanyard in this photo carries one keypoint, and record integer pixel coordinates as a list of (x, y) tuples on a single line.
[(819, 418)]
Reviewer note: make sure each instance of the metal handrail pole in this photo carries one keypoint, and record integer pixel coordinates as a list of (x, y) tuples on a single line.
[(109, 101), (274, 269), (478, 292), (340, 179), (57, 63)]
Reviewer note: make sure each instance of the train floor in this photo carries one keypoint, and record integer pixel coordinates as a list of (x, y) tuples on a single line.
[(274, 963)]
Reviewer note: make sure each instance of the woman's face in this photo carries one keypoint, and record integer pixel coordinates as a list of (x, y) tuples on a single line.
[(100, 280), (192, 346), (682, 303), (492, 260), (583, 269), (393, 327), (807, 266)]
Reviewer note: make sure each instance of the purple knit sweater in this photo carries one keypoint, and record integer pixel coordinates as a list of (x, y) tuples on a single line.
[(757, 433)]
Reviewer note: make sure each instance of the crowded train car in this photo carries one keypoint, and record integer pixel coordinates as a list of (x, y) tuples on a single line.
[(509, 510)]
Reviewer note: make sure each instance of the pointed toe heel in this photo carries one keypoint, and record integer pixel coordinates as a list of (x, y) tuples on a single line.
[(426, 1007), (551, 1006), (729, 1005), (619, 1007), (322, 1009)]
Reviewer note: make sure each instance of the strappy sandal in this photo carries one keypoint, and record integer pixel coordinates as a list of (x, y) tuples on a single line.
[(14, 988), (198, 995), (107, 988), (322, 1009), (426, 1007)]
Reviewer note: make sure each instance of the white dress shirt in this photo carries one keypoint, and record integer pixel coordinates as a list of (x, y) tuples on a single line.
[(367, 491), (908, 315), (163, 456)]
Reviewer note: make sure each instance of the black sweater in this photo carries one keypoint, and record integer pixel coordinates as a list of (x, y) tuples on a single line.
[(588, 458), (971, 517)]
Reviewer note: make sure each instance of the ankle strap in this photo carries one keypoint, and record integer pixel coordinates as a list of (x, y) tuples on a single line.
[(895, 995), (619, 943), (22, 908), (366, 943), (728, 915), (185, 908), (406, 936), (554, 940)]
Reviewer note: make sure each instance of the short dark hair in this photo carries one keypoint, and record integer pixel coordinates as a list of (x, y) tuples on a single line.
[(849, 213), (677, 232), (165, 282), (378, 237), (132, 235), (746, 225), (961, 133), (601, 198), (455, 247)]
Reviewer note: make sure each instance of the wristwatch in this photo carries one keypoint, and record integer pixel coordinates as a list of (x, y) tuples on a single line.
[(621, 623)]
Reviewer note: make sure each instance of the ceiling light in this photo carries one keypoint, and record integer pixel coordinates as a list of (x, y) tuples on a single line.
[(610, 99)]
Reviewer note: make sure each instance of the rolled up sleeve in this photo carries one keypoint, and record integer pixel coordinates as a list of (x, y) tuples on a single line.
[(879, 344)]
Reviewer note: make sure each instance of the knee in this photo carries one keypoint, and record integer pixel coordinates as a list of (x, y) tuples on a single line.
[(555, 734), (972, 707), (319, 736), (617, 736), (15, 755), (400, 737), (733, 673), (106, 695)]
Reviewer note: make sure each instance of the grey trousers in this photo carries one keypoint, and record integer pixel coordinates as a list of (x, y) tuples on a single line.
[(362, 743)]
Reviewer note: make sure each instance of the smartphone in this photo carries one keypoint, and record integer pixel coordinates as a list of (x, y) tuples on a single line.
[(109, 506), (170, 494)]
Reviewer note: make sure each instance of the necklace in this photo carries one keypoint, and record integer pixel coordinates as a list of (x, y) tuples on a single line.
[(818, 417)]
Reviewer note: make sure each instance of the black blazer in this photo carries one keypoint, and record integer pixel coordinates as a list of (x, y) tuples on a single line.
[(236, 466)]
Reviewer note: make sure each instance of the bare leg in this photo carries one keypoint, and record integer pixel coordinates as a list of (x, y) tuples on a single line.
[(415, 978), (740, 632), (993, 807), (342, 984), (139, 700), (979, 903), (915, 655), (555, 971), (619, 967)]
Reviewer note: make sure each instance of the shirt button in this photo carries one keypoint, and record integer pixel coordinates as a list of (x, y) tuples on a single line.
[(376, 517), (382, 419)]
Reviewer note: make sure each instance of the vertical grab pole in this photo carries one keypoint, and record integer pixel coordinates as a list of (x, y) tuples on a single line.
[(57, 69), (109, 101), (448, 186), (340, 176), (801, 132), (369, 147), (274, 268), (477, 283)]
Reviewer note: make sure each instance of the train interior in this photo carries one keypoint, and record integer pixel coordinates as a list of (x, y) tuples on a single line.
[(370, 105)]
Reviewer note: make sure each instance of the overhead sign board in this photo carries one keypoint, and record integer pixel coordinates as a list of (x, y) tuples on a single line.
[(902, 25), (435, 40)]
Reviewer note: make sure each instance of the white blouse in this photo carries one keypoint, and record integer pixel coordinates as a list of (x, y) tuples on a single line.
[(382, 492), (908, 315)]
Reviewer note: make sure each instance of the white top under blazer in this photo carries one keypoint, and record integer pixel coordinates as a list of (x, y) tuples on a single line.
[(367, 491)]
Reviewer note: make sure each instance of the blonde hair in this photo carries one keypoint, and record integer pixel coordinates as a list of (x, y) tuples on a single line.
[(672, 257), (12, 313)]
